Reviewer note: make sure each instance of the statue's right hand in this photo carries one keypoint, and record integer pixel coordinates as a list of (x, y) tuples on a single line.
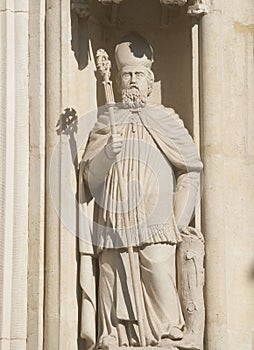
[(114, 146)]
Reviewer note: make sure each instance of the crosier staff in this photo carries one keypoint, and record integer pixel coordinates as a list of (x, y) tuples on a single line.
[(104, 67)]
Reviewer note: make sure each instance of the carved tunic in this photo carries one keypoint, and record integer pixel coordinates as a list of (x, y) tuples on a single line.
[(148, 160), (148, 203)]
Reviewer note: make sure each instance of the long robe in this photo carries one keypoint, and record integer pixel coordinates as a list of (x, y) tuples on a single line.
[(156, 148)]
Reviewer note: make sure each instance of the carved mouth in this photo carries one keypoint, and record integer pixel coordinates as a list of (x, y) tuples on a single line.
[(134, 86)]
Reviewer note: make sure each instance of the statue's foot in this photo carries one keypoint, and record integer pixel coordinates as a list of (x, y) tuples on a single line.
[(175, 334), (134, 343), (107, 342)]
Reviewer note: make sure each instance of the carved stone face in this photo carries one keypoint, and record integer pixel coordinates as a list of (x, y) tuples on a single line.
[(136, 77)]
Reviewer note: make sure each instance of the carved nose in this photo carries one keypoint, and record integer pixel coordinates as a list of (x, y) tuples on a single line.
[(133, 78)]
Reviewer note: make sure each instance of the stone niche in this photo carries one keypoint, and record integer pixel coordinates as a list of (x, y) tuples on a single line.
[(85, 28), (167, 25)]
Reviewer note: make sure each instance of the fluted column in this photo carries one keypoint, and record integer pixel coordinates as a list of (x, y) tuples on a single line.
[(228, 151), (14, 159)]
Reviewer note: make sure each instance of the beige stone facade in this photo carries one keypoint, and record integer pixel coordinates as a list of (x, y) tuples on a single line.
[(204, 69)]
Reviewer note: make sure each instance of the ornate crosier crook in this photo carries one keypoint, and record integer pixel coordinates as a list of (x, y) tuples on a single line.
[(104, 67)]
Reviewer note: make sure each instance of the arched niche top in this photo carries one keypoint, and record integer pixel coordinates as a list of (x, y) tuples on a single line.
[(171, 43), (195, 8)]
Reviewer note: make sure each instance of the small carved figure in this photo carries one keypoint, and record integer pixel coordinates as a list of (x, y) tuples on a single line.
[(81, 8), (141, 168), (199, 8)]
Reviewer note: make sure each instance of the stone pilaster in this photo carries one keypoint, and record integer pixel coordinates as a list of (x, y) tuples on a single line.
[(228, 153), (52, 222), (14, 159), (36, 174), (61, 304)]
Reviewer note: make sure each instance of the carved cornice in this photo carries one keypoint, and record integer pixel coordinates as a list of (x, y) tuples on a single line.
[(196, 8), (173, 2), (107, 2)]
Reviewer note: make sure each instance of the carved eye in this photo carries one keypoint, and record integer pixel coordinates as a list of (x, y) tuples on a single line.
[(140, 75), (126, 76)]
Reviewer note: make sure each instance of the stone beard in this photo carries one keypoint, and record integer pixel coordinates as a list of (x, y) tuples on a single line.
[(133, 97)]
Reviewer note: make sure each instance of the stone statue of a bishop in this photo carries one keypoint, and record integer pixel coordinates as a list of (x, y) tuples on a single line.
[(160, 170)]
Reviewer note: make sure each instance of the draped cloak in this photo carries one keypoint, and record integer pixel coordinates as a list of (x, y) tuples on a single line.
[(147, 131)]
